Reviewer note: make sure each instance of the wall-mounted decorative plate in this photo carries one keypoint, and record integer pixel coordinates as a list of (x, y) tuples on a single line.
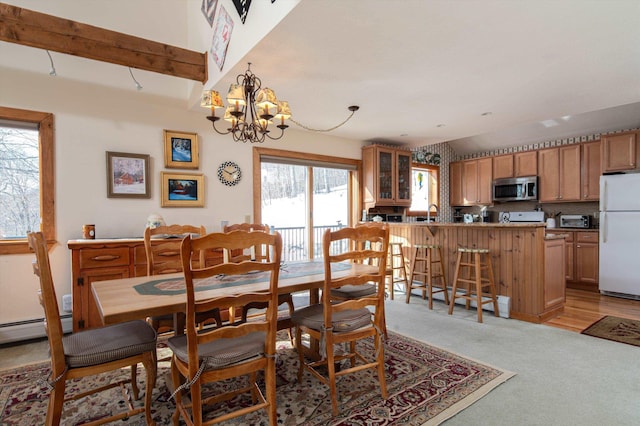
[(229, 173)]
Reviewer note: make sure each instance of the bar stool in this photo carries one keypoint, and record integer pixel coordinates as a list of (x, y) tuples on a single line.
[(395, 251), (428, 273), (471, 258)]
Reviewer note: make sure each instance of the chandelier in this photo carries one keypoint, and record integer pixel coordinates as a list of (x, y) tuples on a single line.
[(251, 110)]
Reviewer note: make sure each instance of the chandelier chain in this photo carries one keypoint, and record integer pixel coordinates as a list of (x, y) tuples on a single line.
[(353, 111)]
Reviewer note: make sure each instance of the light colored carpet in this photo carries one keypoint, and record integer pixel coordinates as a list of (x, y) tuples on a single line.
[(563, 378)]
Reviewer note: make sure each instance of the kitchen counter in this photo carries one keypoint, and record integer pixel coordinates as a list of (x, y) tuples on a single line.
[(560, 230), (527, 266)]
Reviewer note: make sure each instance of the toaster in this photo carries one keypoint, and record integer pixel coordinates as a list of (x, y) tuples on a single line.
[(575, 221)]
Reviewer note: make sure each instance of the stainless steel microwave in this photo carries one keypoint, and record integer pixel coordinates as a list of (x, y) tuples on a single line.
[(515, 189)]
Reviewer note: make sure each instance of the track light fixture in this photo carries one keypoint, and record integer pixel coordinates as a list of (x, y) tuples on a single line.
[(138, 85), (52, 70)]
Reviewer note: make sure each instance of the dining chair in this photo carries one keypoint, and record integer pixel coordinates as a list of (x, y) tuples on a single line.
[(162, 247), (93, 351), (333, 322), (218, 354), (350, 292), (258, 253)]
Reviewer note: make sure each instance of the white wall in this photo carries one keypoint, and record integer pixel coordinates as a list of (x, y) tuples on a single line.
[(92, 119)]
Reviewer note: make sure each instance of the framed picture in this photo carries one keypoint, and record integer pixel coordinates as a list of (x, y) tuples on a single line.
[(128, 175), (182, 189), (181, 150), (221, 37), (208, 10)]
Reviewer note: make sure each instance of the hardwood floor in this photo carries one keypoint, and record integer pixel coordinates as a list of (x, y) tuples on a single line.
[(583, 308)]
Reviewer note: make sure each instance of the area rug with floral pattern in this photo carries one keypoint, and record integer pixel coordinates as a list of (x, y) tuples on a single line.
[(426, 385)]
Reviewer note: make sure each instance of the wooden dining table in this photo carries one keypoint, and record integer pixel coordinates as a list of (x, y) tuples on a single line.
[(124, 299)]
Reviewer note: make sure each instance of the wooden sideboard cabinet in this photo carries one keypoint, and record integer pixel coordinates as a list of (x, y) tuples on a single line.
[(104, 259)]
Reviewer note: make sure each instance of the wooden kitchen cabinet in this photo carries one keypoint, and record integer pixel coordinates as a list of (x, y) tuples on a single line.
[(99, 260), (581, 258), (519, 164), (455, 184), (525, 163), (554, 288), (591, 171), (587, 258), (387, 176), (569, 255), (559, 170), (476, 181), (503, 166), (619, 152)]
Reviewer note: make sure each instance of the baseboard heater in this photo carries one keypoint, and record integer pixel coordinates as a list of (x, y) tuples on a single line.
[(30, 329), (504, 303)]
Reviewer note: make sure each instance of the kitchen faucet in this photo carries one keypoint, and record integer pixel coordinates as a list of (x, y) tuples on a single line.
[(429, 211)]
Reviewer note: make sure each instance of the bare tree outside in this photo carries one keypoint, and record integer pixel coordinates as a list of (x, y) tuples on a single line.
[(286, 193), (19, 182)]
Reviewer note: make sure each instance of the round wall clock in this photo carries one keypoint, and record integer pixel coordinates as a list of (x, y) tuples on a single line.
[(229, 173)]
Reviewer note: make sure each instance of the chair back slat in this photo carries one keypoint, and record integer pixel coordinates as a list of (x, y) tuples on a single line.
[(255, 252), (163, 255)]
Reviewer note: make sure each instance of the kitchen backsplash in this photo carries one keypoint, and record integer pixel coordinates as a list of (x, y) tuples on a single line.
[(550, 209)]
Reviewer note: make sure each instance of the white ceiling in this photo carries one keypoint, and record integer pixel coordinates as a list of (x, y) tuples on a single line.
[(544, 69)]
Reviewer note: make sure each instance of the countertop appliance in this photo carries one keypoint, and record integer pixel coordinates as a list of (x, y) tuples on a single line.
[(620, 235), (575, 221), (394, 218), (521, 217), (515, 189)]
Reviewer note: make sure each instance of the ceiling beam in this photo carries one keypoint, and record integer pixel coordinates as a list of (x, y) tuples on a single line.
[(35, 29)]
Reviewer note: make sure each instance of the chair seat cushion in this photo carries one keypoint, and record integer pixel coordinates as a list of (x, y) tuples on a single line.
[(222, 352), (110, 343), (313, 318), (353, 291)]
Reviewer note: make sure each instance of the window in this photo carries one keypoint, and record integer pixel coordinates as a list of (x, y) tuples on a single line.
[(26, 178), (302, 195), (425, 189)]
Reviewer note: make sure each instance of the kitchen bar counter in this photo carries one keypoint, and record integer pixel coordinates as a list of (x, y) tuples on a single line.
[(528, 268)]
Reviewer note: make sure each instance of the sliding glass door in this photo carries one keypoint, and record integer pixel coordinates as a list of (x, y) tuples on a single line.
[(301, 200)]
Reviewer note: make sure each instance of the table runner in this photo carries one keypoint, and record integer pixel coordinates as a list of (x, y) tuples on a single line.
[(173, 286)]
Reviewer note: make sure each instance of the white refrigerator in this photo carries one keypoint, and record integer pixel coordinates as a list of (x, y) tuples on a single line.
[(620, 235)]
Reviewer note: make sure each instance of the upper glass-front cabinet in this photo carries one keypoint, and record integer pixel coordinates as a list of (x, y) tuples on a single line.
[(387, 176), (403, 174)]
